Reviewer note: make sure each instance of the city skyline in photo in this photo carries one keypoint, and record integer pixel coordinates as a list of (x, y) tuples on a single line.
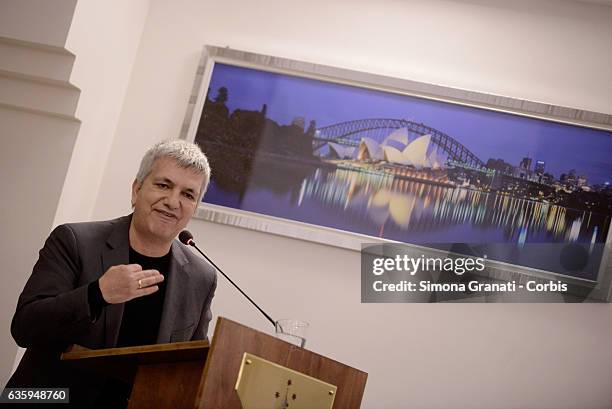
[(488, 134)]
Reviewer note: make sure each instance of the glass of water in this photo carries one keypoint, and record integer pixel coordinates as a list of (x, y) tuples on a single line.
[(292, 331)]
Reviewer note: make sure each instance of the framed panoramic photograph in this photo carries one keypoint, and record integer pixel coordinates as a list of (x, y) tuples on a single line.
[(345, 158)]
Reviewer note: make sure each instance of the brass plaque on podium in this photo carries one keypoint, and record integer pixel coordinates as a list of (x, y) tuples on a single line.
[(262, 384)]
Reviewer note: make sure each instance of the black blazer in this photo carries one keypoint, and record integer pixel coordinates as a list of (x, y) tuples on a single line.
[(53, 311)]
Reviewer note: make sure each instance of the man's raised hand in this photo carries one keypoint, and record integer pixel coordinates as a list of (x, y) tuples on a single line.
[(125, 282)]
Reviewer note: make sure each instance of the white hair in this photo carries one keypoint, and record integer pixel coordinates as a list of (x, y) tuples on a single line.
[(187, 154)]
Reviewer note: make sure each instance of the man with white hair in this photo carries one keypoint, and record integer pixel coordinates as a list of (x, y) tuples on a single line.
[(121, 282)]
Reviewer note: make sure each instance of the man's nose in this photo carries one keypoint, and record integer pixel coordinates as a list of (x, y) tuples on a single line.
[(172, 199)]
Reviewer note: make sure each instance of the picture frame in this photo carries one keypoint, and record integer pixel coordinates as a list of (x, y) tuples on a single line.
[(402, 156)]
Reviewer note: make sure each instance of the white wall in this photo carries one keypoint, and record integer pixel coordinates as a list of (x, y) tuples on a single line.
[(38, 21), (104, 36), (419, 356)]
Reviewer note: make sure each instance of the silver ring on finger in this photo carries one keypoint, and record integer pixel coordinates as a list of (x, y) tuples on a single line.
[(140, 284)]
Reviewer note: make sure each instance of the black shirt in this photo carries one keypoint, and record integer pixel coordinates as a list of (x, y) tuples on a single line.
[(142, 316)]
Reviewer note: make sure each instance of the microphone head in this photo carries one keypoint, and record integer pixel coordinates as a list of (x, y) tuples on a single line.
[(186, 237)]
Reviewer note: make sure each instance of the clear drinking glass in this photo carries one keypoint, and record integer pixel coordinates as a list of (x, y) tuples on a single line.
[(292, 331)]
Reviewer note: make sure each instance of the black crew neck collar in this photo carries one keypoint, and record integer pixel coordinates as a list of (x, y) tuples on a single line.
[(137, 254)]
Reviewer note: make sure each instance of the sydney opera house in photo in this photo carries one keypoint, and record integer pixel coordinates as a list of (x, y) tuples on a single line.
[(397, 149), (402, 154)]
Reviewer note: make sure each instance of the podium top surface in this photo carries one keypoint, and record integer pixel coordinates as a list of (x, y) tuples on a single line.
[(175, 351), (122, 363)]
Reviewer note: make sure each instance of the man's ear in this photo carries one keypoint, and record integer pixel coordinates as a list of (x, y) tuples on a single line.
[(135, 188)]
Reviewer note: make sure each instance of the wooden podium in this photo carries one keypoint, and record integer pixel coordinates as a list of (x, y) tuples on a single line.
[(201, 375)]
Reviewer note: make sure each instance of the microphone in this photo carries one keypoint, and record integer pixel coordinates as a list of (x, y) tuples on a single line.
[(186, 238)]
